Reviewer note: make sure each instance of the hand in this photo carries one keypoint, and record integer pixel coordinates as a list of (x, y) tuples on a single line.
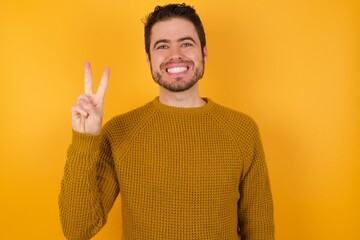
[(87, 113)]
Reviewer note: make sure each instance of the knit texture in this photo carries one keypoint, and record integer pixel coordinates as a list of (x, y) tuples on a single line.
[(183, 173)]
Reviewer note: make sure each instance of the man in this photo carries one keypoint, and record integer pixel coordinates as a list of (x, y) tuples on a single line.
[(186, 167)]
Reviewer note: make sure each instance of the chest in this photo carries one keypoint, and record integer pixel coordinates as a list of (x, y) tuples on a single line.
[(191, 157)]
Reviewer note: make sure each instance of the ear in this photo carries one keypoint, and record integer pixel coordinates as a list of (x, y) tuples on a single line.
[(205, 54), (148, 59)]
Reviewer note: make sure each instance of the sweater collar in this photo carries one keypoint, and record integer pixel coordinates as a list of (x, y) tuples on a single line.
[(176, 110)]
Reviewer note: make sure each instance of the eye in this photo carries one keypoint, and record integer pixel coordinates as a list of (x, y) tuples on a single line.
[(162, 47), (186, 44)]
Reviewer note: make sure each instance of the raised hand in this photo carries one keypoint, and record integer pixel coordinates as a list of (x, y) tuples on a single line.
[(87, 113)]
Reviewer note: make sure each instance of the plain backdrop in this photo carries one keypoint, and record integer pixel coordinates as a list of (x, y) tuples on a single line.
[(292, 65)]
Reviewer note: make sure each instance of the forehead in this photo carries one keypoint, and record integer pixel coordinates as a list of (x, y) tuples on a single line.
[(173, 29)]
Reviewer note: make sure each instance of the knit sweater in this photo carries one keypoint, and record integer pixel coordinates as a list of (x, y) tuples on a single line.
[(183, 173)]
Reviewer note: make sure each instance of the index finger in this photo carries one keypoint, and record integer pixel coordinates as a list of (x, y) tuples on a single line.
[(88, 78), (103, 83)]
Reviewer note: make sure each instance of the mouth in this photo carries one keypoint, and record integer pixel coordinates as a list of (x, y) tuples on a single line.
[(177, 69)]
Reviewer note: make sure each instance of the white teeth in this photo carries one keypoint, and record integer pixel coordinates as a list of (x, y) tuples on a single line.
[(176, 69)]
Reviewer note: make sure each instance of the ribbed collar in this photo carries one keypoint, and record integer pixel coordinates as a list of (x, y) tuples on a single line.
[(183, 111)]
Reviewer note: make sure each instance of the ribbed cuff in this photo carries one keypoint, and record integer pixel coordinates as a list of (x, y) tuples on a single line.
[(84, 142)]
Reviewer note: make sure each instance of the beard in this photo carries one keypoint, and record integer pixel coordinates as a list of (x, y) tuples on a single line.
[(178, 85)]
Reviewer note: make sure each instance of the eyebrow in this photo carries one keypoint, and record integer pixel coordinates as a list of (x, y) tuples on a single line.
[(179, 40)]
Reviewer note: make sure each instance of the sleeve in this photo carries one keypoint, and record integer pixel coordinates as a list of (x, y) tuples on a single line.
[(89, 186), (255, 212)]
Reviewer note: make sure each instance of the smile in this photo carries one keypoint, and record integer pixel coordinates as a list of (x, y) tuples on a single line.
[(176, 69)]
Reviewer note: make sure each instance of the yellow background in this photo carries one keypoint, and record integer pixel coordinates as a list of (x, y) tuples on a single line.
[(293, 65)]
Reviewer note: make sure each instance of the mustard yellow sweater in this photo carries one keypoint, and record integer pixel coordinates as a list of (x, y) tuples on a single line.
[(183, 173)]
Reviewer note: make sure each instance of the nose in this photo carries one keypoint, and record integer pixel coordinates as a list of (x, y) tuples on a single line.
[(175, 53)]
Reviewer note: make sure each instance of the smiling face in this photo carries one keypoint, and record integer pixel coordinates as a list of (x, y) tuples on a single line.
[(176, 58)]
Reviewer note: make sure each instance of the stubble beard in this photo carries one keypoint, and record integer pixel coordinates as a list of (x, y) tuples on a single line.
[(178, 85)]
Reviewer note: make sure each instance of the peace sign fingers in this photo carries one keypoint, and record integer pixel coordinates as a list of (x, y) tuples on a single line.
[(103, 83), (100, 93), (88, 78), (87, 113)]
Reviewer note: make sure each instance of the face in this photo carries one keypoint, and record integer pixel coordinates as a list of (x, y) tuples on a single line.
[(176, 59)]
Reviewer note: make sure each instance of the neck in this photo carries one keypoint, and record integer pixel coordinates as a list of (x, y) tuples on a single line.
[(186, 99)]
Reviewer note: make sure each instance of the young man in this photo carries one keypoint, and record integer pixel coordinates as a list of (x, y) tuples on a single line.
[(186, 167)]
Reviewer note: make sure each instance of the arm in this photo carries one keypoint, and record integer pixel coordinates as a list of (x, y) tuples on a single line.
[(256, 220), (89, 186)]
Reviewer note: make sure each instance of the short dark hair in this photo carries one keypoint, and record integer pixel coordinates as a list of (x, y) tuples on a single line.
[(166, 12)]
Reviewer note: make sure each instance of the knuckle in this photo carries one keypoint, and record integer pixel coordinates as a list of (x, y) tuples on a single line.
[(74, 108), (81, 97)]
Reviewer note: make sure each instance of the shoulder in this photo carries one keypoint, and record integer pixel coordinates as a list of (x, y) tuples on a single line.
[(233, 120), (123, 124), (240, 126)]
